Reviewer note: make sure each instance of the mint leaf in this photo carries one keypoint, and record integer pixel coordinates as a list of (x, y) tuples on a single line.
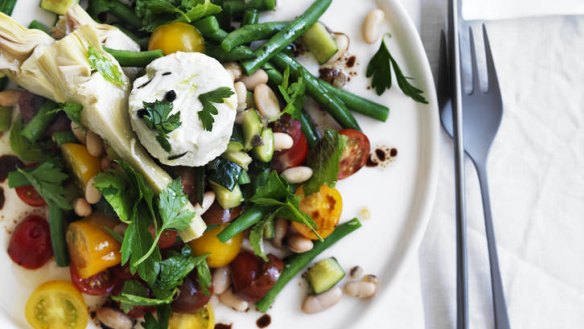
[(135, 294), (203, 273), (209, 110), (107, 68), (324, 161), (157, 117), (173, 270), (379, 70)]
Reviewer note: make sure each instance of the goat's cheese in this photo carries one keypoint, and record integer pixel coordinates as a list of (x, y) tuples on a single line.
[(186, 75)]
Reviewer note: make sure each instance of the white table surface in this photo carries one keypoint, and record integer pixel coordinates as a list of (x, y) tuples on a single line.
[(536, 179)]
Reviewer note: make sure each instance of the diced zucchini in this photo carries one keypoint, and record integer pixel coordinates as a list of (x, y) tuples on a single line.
[(59, 7), (244, 178), (252, 128), (224, 172), (236, 140), (227, 199), (241, 158), (234, 146), (324, 275), (265, 152), (320, 42)]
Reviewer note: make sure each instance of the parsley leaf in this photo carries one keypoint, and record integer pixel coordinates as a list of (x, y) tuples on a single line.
[(157, 117), (106, 67), (293, 95), (48, 180), (209, 110), (157, 12), (324, 160), (116, 189), (137, 248), (379, 69), (72, 110)]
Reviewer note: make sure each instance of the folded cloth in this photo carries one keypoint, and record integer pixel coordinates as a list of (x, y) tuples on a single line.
[(503, 9)]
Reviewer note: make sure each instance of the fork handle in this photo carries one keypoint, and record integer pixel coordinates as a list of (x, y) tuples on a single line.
[(499, 304)]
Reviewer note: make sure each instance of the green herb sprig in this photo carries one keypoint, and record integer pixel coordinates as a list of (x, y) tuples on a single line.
[(209, 110), (157, 117)]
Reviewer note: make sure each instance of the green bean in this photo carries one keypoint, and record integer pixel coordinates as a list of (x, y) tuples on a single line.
[(24, 149), (251, 16), (118, 9), (237, 7), (210, 29), (64, 137), (249, 33), (235, 54), (58, 226), (331, 103), (298, 262), (40, 122), (358, 103), (39, 26), (307, 126), (5, 117), (7, 6), (135, 58), (242, 223), (286, 36)]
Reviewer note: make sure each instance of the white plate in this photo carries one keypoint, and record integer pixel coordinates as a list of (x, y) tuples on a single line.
[(399, 197)]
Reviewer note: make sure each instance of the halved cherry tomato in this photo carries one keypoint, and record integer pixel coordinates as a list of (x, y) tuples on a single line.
[(295, 155), (191, 297), (83, 165), (56, 305), (204, 318), (324, 207), (220, 254), (167, 238), (30, 244), (100, 284), (216, 215), (252, 277), (176, 36), (355, 153), (91, 248), (30, 196)]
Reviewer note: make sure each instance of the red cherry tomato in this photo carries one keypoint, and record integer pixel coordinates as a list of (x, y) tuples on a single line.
[(216, 215), (355, 154), (101, 284), (295, 155), (30, 244), (191, 297), (167, 238), (252, 278), (30, 196)]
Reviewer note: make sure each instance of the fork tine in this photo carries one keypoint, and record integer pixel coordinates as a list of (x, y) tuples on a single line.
[(475, 77), (492, 73)]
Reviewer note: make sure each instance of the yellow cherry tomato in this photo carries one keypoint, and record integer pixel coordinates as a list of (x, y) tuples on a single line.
[(324, 207), (177, 36), (204, 318), (220, 254), (91, 248), (56, 305), (84, 165)]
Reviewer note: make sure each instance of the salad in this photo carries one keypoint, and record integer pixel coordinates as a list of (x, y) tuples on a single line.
[(172, 146)]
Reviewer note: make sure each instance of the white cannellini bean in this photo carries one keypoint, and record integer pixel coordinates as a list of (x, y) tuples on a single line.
[(299, 244), (251, 81), (343, 43), (208, 199), (318, 303), (356, 272), (241, 93), (297, 175), (372, 25), (370, 278), (9, 97), (114, 319), (234, 69), (221, 279), (92, 194), (81, 207), (79, 132), (266, 101), (228, 298), (280, 230), (360, 289), (282, 141), (94, 144)]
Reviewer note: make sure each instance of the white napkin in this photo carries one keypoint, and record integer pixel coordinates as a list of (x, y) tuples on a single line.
[(502, 9), (535, 170)]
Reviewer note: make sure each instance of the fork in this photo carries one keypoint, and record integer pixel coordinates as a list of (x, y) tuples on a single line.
[(482, 115)]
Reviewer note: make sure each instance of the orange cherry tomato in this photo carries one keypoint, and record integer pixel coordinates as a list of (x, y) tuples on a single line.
[(324, 207)]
